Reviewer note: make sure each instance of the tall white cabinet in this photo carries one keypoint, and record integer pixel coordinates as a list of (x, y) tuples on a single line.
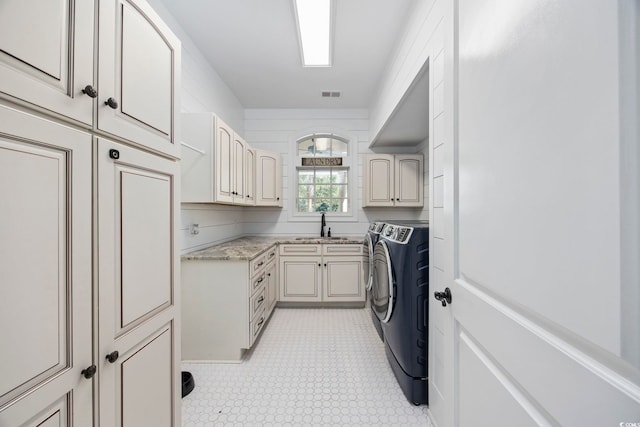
[(138, 292), (45, 265), (88, 229)]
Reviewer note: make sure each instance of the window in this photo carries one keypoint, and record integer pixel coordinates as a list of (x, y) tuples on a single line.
[(323, 188)]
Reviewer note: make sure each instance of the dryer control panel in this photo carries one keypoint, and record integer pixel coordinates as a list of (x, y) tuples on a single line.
[(397, 233)]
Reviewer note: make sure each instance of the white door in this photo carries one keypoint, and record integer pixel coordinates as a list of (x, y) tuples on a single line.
[(51, 64), (138, 276), (45, 269), (537, 215), (139, 65)]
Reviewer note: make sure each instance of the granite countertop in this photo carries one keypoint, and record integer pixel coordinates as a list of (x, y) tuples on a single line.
[(246, 248)]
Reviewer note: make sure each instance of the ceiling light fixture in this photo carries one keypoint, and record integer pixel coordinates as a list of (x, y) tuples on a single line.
[(314, 20)]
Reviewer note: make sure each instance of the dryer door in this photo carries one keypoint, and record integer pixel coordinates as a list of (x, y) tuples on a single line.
[(368, 261), (383, 282)]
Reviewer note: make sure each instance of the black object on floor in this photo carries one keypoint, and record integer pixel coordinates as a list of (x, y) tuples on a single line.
[(188, 383)]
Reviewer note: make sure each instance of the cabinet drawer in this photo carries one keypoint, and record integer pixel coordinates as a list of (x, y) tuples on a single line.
[(258, 281), (256, 264), (257, 303), (257, 323), (329, 249), (300, 249), (270, 255)]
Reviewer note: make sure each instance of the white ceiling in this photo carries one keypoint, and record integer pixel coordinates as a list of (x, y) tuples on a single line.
[(253, 45)]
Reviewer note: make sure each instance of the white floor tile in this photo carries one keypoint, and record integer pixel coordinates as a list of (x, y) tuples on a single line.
[(310, 367)]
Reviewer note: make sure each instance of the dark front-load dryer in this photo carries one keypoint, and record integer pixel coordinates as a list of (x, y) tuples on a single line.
[(399, 300), (370, 240)]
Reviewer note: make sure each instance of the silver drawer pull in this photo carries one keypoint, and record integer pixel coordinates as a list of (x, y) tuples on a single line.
[(260, 300), (261, 263), (272, 254), (260, 279), (261, 322)]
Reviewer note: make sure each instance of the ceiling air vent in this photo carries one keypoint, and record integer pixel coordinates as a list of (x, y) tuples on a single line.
[(331, 94)]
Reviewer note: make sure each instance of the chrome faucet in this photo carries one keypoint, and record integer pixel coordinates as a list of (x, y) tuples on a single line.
[(323, 223)]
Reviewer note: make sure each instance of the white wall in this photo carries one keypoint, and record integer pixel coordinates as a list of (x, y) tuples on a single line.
[(202, 88), (411, 53), (204, 91), (275, 130)]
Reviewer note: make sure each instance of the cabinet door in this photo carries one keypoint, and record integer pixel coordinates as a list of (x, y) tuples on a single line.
[(138, 66), (225, 175), (45, 266), (250, 176), (342, 278), (409, 181), (138, 280), (239, 148), (268, 182), (49, 65), (378, 182), (272, 286), (300, 278)]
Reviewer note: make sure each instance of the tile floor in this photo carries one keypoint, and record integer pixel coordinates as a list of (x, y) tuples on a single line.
[(310, 367)]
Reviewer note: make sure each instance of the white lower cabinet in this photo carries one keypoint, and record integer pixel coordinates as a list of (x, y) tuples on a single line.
[(45, 297), (138, 296), (300, 278), (334, 274), (272, 285), (226, 305), (342, 278)]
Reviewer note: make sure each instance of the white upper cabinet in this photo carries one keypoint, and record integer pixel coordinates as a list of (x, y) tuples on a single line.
[(207, 158), (409, 180), (218, 166), (393, 180), (223, 177), (239, 169), (49, 65), (250, 176), (138, 69), (268, 179)]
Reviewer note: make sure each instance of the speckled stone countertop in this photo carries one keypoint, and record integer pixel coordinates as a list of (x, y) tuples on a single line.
[(245, 248)]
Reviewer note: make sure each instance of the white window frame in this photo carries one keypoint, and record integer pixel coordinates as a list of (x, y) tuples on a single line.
[(348, 162)]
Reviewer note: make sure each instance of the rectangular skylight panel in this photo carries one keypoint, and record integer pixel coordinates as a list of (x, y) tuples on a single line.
[(314, 26)]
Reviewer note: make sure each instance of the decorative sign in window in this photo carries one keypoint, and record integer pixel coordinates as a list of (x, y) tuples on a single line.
[(323, 180), (322, 161)]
